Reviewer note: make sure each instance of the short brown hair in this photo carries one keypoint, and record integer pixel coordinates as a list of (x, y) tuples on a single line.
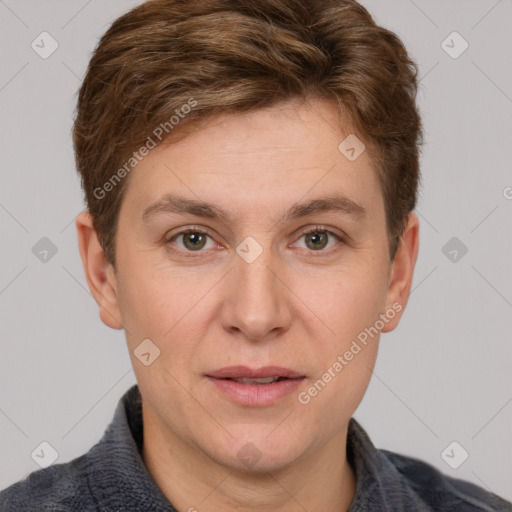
[(226, 56)]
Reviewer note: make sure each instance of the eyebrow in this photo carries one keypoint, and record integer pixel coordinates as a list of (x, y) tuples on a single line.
[(174, 204)]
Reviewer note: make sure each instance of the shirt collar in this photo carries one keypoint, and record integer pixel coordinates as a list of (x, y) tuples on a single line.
[(380, 487), (117, 474)]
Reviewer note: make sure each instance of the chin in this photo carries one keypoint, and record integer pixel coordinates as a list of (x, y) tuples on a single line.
[(252, 450)]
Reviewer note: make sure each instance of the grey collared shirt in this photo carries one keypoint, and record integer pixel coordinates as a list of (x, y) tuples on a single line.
[(112, 477)]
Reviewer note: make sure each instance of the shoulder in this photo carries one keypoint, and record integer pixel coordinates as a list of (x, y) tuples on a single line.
[(58, 488), (442, 492)]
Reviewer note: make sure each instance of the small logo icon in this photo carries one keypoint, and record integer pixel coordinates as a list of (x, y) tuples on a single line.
[(351, 147), (44, 250), (146, 352), (454, 45), (249, 454), (249, 249), (454, 249), (454, 455), (45, 454), (44, 45)]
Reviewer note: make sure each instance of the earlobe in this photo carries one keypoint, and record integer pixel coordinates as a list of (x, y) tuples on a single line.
[(402, 271), (98, 272)]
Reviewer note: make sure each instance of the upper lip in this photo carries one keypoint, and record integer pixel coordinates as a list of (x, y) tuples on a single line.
[(237, 372)]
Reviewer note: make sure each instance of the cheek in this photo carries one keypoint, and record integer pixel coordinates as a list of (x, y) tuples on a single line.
[(151, 298), (349, 305), (347, 302), (166, 306), (347, 356), (146, 307)]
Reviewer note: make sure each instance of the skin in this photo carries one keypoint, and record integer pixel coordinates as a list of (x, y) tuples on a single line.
[(298, 305)]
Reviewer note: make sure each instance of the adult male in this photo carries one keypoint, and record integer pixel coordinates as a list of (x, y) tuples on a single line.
[(250, 170)]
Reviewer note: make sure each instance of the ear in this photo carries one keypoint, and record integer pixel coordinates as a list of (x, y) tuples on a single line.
[(402, 270), (99, 273)]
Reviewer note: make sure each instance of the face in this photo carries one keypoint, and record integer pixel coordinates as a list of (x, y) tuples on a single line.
[(259, 282)]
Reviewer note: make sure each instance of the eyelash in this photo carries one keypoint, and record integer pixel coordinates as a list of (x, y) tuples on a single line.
[(202, 231)]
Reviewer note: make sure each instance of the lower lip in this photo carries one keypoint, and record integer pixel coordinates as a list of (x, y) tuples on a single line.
[(256, 394)]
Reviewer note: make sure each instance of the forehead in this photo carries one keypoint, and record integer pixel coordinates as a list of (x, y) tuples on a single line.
[(261, 160)]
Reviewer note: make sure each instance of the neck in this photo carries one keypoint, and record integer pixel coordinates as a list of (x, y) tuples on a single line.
[(192, 481)]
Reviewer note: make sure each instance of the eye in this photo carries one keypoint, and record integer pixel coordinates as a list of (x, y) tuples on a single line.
[(317, 239), (193, 240)]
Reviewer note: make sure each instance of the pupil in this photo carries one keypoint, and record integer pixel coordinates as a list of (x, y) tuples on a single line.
[(316, 237), (194, 239)]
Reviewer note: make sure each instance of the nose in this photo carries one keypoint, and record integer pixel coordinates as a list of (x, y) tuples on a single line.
[(257, 302)]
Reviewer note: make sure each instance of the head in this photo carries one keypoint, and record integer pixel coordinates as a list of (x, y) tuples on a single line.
[(286, 135)]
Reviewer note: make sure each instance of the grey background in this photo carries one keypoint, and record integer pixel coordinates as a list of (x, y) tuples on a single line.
[(443, 375)]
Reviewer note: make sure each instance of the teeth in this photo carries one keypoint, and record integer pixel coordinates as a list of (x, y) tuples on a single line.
[(265, 380)]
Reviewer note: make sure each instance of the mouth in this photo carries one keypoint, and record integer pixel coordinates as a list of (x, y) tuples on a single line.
[(255, 387), (260, 381), (246, 375)]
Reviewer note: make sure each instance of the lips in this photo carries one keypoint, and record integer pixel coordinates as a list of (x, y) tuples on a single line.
[(256, 387), (244, 372)]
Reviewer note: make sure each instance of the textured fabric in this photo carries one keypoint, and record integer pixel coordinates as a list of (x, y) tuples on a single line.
[(111, 477)]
